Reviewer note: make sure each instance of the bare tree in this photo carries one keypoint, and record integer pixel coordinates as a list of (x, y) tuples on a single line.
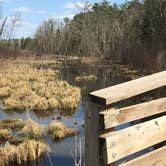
[(8, 23), (2, 25), (84, 7), (13, 21)]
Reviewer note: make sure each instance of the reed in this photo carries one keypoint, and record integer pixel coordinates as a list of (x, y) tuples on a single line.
[(20, 142), (5, 134), (31, 130), (14, 124), (57, 131), (27, 151)]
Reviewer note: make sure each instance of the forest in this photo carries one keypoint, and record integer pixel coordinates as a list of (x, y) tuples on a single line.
[(132, 33)]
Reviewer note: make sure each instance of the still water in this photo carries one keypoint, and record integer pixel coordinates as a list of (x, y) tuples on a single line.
[(71, 149)]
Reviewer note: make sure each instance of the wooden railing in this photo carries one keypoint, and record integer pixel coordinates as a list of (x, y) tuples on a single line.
[(107, 144)]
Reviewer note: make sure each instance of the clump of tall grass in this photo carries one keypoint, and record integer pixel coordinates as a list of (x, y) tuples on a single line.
[(90, 60), (31, 130), (5, 91), (27, 151), (5, 134), (22, 86), (57, 131), (14, 124), (20, 142), (86, 78)]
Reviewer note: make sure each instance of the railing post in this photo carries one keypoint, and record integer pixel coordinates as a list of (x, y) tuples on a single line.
[(92, 134)]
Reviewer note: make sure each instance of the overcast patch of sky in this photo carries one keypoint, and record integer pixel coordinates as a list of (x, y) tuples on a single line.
[(33, 12)]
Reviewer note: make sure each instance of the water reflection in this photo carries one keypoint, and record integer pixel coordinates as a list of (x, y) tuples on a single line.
[(63, 153)]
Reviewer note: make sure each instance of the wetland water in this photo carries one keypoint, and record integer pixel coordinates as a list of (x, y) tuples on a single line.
[(64, 152)]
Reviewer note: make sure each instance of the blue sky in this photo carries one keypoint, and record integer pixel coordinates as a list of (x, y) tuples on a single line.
[(33, 12)]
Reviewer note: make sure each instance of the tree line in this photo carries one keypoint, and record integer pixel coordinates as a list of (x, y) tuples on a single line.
[(133, 32)]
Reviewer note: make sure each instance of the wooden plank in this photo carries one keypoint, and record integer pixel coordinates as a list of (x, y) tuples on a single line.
[(125, 142), (154, 158), (129, 89), (114, 117)]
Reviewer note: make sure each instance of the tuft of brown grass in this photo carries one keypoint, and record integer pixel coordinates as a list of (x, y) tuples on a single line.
[(14, 124), (27, 151), (19, 150), (86, 78), (90, 60), (23, 86), (5, 134), (31, 130), (57, 131), (4, 92)]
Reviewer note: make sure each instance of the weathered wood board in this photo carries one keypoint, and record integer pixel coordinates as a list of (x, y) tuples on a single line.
[(154, 158), (113, 117), (129, 89), (120, 144)]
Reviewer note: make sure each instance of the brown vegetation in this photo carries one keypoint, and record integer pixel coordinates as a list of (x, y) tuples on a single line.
[(86, 78), (23, 86), (17, 142), (14, 124), (26, 151), (31, 130), (57, 130)]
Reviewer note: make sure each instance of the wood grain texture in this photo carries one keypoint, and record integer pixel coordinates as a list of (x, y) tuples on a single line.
[(129, 89), (114, 117), (125, 142), (154, 158), (92, 134)]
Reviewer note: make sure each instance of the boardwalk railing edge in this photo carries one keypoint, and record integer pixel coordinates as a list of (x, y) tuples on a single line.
[(104, 145)]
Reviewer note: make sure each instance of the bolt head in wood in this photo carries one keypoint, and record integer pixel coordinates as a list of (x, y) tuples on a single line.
[(114, 143), (114, 154)]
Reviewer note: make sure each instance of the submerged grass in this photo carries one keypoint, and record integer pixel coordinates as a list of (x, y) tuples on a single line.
[(23, 86), (57, 131)]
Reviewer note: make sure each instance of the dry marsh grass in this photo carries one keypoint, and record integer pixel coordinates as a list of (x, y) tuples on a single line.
[(86, 78), (24, 152), (57, 131), (21, 145), (25, 144), (5, 134), (31, 130), (23, 130), (90, 60), (22, 86), (14, 124)]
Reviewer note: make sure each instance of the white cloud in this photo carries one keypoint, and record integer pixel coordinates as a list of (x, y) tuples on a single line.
[(61, 16), (25, 28), (80, 6), (27, 10), (71, 5)]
